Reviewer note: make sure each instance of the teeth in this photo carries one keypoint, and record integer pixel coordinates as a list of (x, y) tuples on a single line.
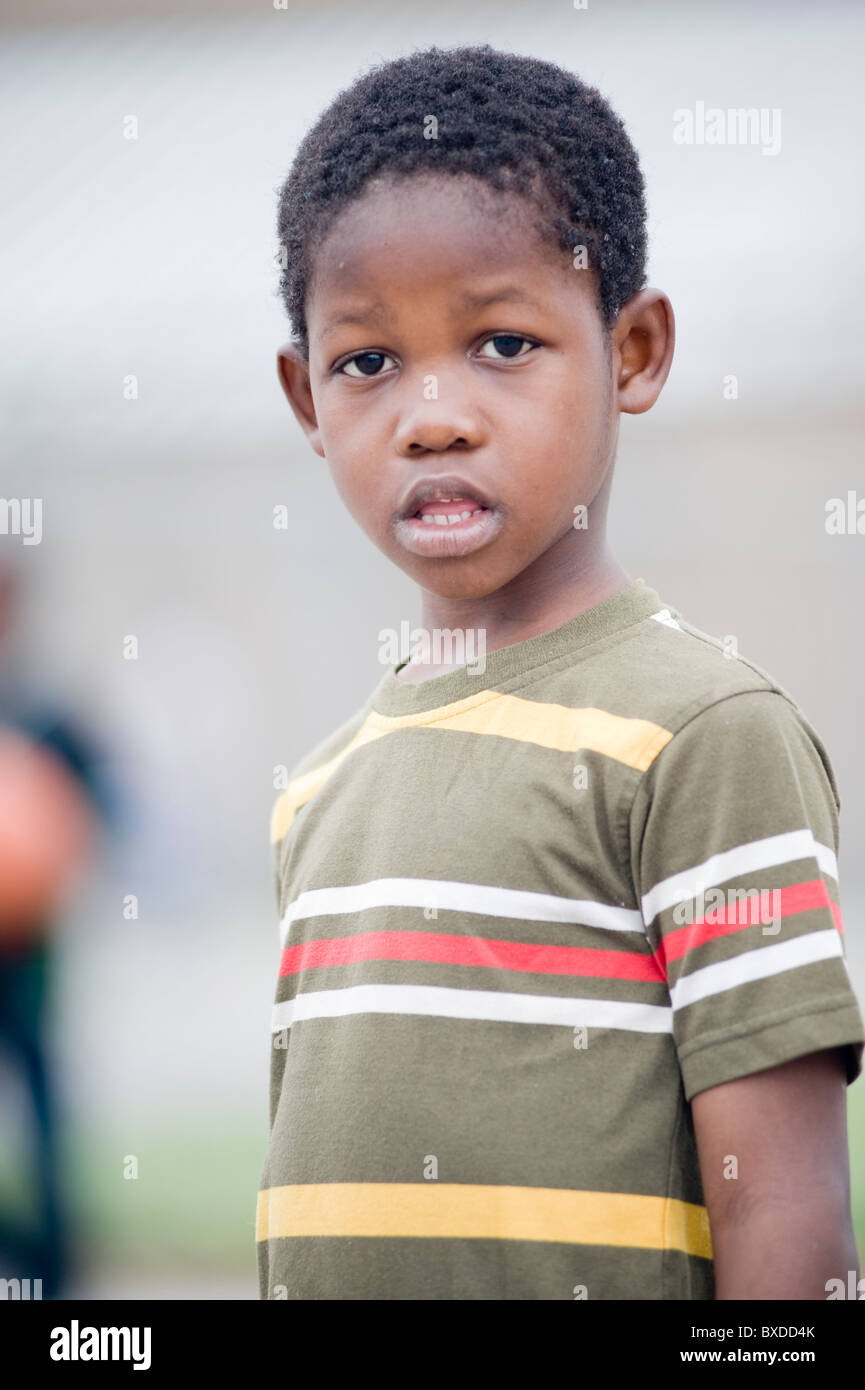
[(439, 519)]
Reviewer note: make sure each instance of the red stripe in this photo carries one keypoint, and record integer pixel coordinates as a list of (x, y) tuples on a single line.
[(799, 897), (469, 950)]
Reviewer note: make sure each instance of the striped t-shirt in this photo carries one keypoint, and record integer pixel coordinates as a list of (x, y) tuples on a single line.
[(526, 916)]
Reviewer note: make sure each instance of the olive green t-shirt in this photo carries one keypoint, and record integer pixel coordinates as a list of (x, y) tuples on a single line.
[(527, 914)]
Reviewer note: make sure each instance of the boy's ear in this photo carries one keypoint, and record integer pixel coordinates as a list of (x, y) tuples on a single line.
[(293, 372), (643, 339)]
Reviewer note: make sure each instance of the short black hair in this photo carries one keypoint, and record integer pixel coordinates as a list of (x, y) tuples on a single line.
[(516, 122)]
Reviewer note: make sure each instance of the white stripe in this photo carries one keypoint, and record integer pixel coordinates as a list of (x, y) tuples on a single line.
[(437, 1002), (750, 858), (664, 617), (756, 965), (459, 897)]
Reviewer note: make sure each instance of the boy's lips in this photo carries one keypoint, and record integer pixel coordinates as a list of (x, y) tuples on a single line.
[(430, 490), (446, 517)]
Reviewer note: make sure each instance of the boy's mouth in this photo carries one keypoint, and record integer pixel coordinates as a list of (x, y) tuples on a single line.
[(448, 511), (446, 517)]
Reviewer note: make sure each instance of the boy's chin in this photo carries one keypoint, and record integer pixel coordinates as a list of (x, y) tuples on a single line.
[(456, 582)]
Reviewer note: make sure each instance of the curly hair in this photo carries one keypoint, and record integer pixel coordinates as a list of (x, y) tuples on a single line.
[(518, 123)]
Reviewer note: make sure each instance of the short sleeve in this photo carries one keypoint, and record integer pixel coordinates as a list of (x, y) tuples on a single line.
[(734, 836)]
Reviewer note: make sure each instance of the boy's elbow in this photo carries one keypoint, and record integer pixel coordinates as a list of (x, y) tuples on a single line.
[(782, 1245)]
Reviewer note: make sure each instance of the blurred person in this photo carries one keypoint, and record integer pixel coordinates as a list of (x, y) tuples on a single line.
[(52, 797)]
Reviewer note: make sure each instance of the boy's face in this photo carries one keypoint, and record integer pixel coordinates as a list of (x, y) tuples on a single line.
[(451, 350)]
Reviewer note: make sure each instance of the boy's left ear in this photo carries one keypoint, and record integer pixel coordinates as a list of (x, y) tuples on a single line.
[(643, 339), (293, 371)]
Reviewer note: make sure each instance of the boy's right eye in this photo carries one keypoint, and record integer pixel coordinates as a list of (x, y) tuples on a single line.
[(367, 363)]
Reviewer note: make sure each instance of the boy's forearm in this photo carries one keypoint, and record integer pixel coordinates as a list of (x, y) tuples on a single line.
[(781, 1228), (784, 1252)]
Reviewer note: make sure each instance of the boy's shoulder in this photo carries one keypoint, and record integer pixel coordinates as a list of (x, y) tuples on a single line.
[(301, 778), (694, 688), (666, 669)]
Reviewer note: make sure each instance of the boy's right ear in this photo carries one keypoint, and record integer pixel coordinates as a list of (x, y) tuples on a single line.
[(293, 371)]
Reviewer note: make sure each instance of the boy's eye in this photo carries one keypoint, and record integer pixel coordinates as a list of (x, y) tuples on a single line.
[(366, 363), (507, 345)]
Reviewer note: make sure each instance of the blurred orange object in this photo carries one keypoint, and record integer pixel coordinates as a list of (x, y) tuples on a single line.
[(47, 832)]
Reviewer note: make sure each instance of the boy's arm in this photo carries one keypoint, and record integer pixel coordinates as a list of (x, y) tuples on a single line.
[(781, 1228)]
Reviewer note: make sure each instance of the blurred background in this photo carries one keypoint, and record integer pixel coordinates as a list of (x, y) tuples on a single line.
[(165, 648)]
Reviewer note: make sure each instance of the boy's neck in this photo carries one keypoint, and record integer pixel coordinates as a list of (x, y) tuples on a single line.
[(506, 618)]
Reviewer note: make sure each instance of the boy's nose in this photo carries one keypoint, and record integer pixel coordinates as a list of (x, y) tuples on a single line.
[(415, 440), (437, 425)]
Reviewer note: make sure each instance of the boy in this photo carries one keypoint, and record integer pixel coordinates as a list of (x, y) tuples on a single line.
[(563, 1009)]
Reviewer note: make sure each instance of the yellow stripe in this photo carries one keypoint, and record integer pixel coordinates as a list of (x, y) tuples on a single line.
[(635, 742), (567, 730), (303, 789), (462, 1211)]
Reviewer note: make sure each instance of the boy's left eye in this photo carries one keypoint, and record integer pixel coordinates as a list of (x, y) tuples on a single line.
[(366, 364), (507, 345)]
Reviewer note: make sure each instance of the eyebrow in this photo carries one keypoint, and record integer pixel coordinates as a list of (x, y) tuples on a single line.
[(470, 302), (512, 294), (360, 316)]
